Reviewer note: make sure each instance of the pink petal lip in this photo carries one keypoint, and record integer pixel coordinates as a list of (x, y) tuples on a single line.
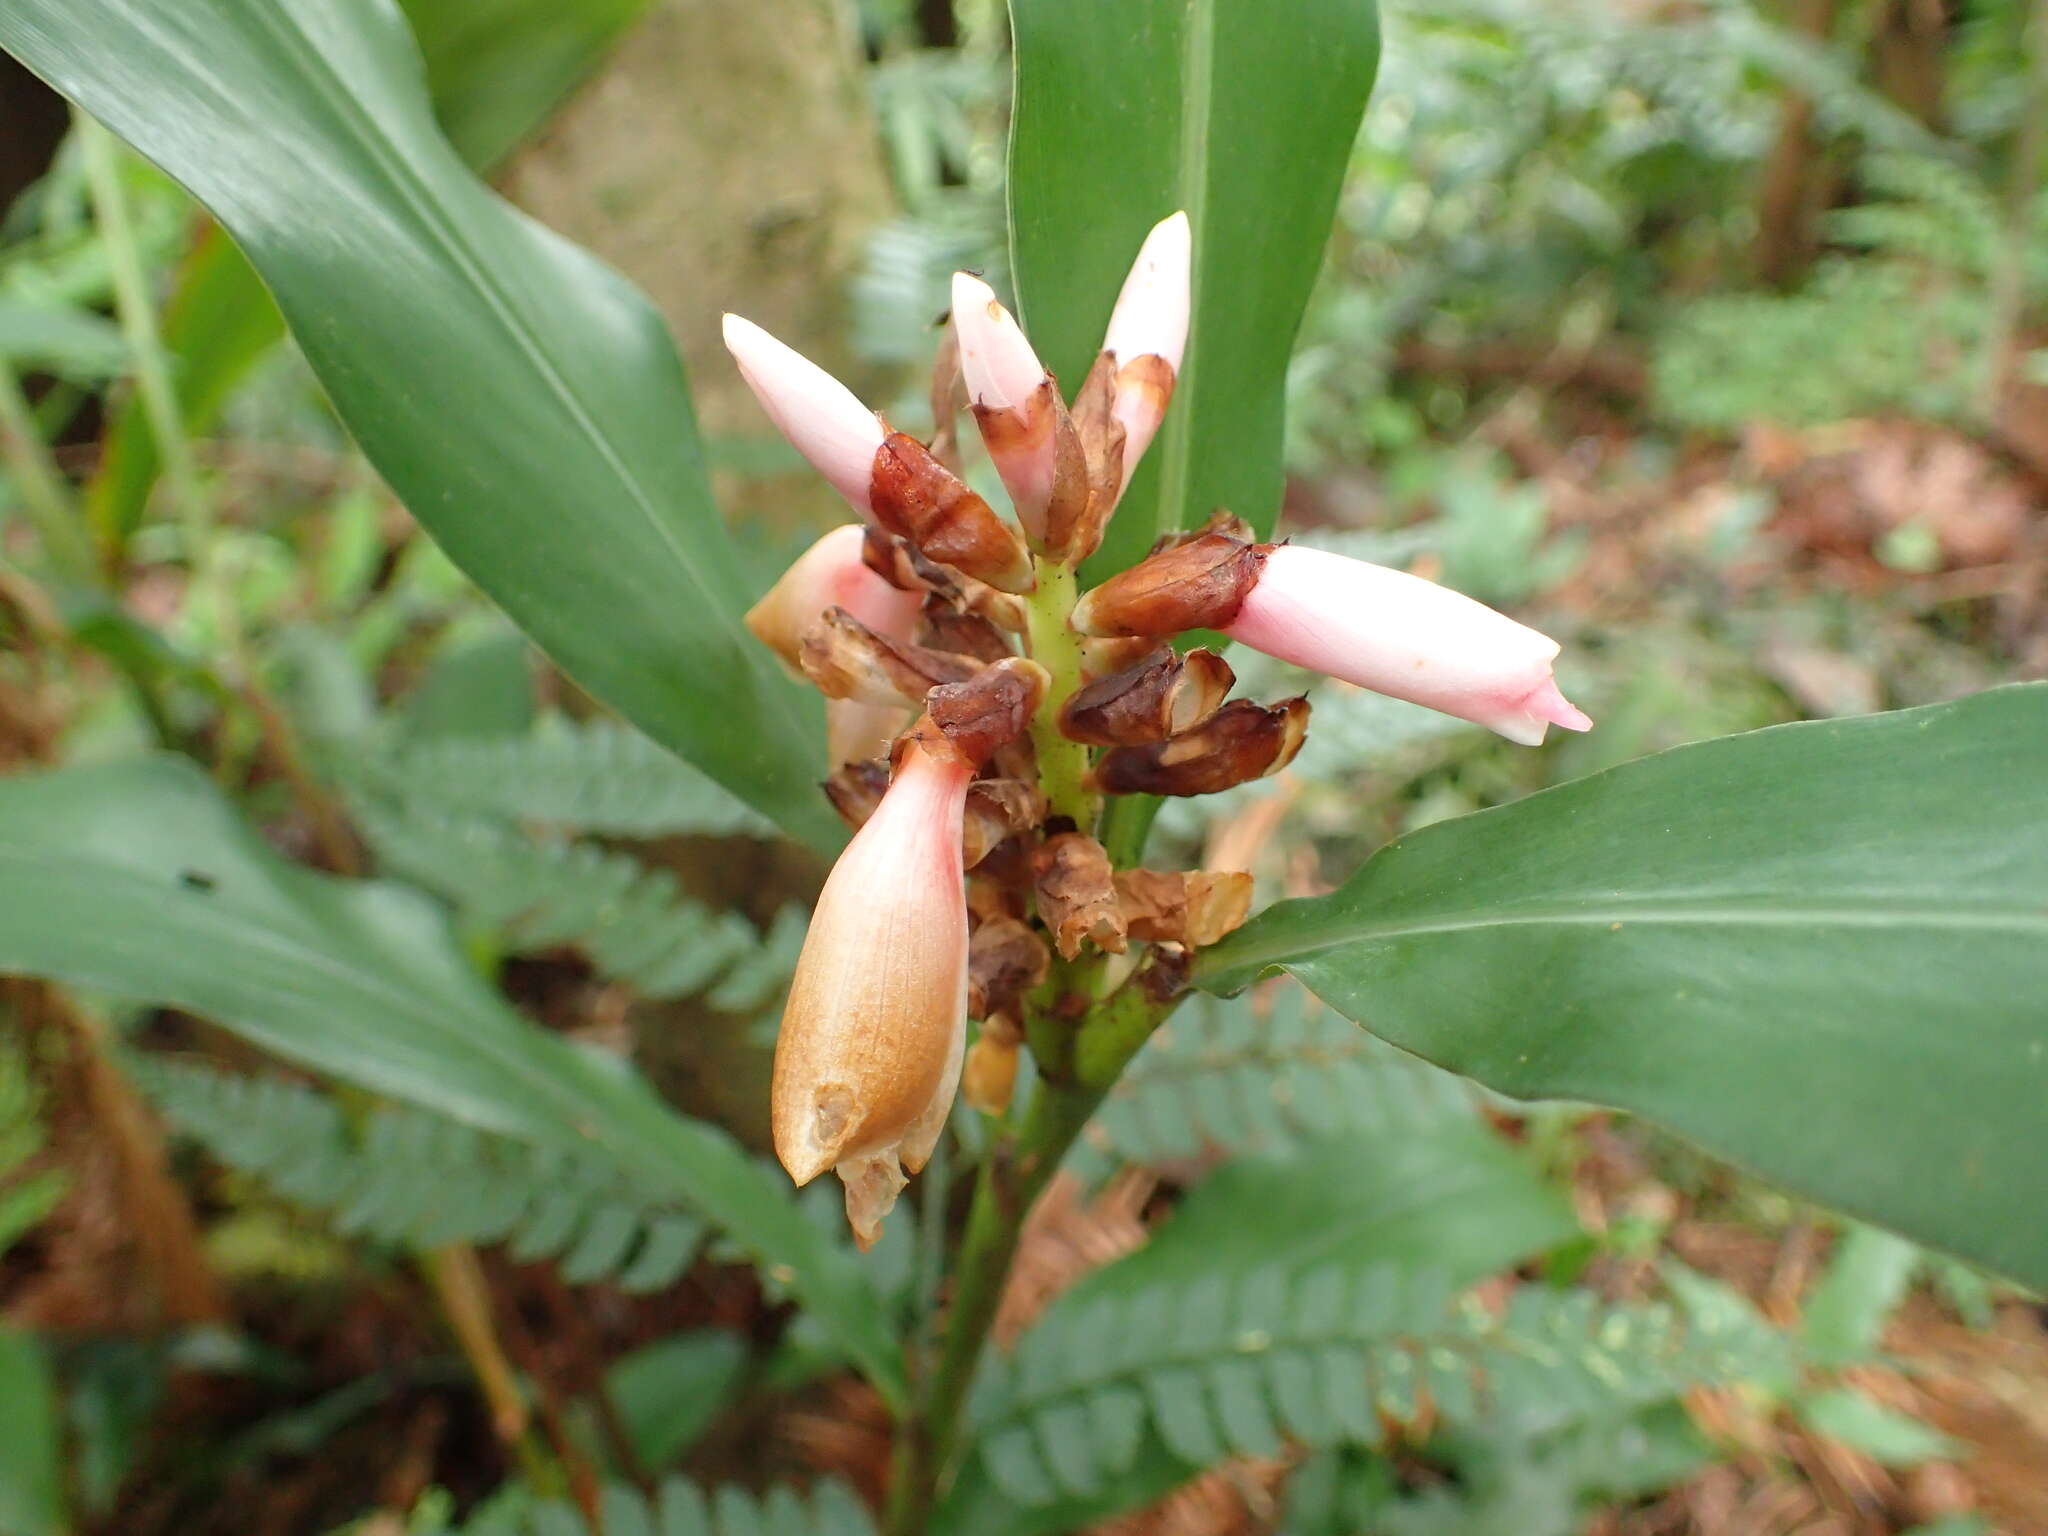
[(996, 362), (1403, 636), (822, 418)]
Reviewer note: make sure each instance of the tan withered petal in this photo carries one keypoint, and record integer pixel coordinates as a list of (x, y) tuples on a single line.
[(990, 709), (944, 628), (1076, 894), (1162, 695), (1192, 907), (871, 1039), (1101, 438), (844, 659), (997, 810), (1005, 959), (1197, 585), (1240, 742), (856, 788), (999, 887), (900, 565), (918, 498), (1099, 658), (990, 1077)]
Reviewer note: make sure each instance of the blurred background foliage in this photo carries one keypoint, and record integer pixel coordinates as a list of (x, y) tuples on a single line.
[(1713, 337)]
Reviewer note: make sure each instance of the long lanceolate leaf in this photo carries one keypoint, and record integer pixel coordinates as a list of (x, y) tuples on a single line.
[(1818, 950), (1239, 111), (138, 879), (521, 398)]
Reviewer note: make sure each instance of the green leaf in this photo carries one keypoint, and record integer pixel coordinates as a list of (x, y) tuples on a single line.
[(1817, 950), (667, 1393), (31, 1476), (1245, 118), (1867, 1278), (489, 93), (75, 344), (1883, 1434), (137, 878), (1454, 1197), (497, 68), (523, 400)]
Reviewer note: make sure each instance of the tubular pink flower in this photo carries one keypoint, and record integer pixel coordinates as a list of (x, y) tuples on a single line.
[(871, 1042), (1400, 635), (996, 362), (820, 416), (830, 574), (1007, 384), (1151, 319), (1151, 313)]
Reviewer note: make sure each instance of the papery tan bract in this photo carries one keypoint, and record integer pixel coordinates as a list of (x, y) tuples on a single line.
[(1240, 742), (1198, 584), (1164, 694), (1077, 894)]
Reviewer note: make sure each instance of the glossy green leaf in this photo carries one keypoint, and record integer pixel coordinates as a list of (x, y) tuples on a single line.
[(138, 879), (1884, 1434), (31, 1474), (523, 400), (1242, 114), (489, 93), (1817, 950)]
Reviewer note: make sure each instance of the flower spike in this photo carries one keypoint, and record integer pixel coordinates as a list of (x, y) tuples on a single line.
[(820, 416)]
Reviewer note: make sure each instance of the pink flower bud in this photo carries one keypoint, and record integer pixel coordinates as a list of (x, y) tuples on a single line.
[(871, 1042), (819, 415), (1400, 635), (1151, 320), (830, 574), (1013, 400)]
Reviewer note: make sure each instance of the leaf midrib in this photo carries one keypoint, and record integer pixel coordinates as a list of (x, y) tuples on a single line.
[(1951, 916)]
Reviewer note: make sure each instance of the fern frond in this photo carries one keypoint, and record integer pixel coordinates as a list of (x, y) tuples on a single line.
[(416, 1180), (681, 1508), (589, 776), (25, 1198), (1219, 1368), (1243, 1075), (634, 923)]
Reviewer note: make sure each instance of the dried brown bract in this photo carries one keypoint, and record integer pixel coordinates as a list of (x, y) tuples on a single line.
[(918, 498), (855, 789), (1196, 585), (1005, 959), (988, 710), (845, 659), (1077, 894), (898, 563), (1161, 696), (1192, 907), (997, 810), (945, 628), (1240, 742)]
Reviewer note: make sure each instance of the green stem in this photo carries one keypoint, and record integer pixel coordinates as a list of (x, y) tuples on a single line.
[(36, 477), (1011, 1179), (1062, 764), (1125, 827), (137, 312)]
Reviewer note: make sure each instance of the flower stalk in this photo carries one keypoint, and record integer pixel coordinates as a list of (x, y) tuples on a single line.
[(1062, 764)]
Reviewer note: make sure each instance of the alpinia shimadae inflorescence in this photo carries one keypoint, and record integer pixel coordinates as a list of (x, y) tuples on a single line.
[(980, 711)]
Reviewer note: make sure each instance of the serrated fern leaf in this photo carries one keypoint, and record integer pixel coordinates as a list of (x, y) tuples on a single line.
[(1217, 1368), (634, 923), (416, 1180), (589, 776), (681, 1508), (1243, 1074), (25, 1198)]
